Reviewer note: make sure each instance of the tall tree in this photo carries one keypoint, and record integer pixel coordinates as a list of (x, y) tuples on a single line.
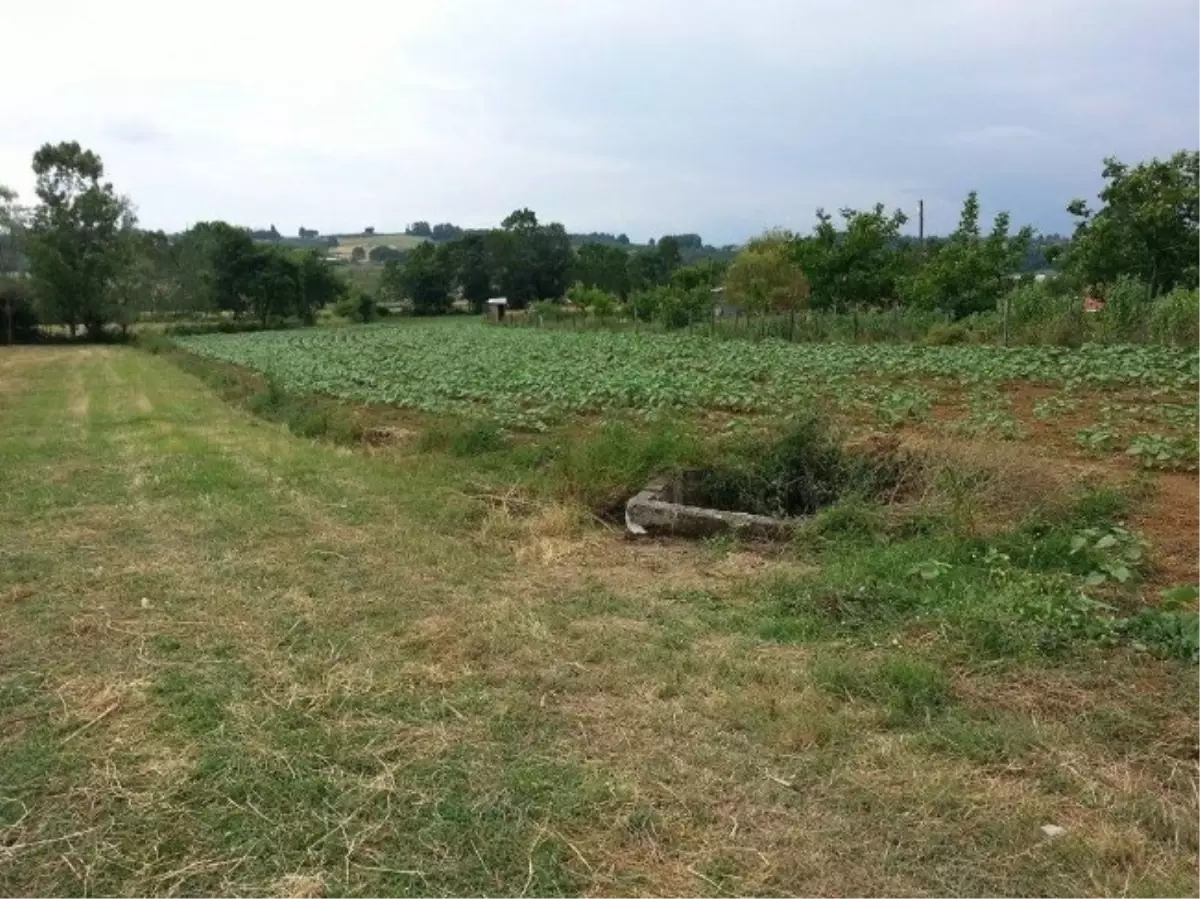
[(604, 266), (426, 280), (763, 278), (318, 285), (14, 220), (859, 263), (473, 271), (76, 239), (1146, 227), (969, 272)]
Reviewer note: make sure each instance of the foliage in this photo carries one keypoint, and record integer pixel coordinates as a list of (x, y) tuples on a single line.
[(1148, 226), (858, 265), (1177, 453), (805, 469), (1174, 318), (17, 307), (596, 301), (763, 278), (603, 266), (16, 301), (529, 261), (76, 238), (356, 306), (968, 273), (672, 307), (382, 253), (425, 279), (472, 271)]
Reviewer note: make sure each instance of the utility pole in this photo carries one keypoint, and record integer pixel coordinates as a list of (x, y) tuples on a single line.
[(921, 225)]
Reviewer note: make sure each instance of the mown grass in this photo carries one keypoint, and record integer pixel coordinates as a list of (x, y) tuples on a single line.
[(238, 660)]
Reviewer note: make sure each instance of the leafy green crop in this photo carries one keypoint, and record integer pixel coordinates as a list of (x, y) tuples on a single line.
[(526, 377)]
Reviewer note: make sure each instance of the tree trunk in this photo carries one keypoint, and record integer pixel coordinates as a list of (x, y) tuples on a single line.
[(8, 319)]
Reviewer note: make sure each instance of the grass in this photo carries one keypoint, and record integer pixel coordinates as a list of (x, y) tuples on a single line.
[(347, 242), (239, 660)]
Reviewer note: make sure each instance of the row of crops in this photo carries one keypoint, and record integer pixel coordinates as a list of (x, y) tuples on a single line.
[(527, 377)]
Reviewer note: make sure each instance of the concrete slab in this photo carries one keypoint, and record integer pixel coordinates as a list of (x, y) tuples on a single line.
[(656, 511)]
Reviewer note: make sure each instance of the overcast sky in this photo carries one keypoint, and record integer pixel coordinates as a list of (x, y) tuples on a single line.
[(645, 117)]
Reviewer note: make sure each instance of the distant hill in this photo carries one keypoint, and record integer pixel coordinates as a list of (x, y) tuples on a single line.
[(347, 242)]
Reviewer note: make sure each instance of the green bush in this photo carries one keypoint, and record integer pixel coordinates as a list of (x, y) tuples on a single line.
[(948, 334), (1174, 318)]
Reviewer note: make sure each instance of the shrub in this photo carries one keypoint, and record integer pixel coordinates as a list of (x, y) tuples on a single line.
[(357, 306), (1174, 318), (947, 334)]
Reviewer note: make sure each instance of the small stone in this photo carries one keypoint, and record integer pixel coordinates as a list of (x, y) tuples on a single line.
[(145, 602), (1053, 830)]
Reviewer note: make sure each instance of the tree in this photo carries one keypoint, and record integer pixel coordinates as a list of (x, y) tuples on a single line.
[(967, 272), (367, 231), (686, 241), (137, 283), (473, 271), (705, 273), (382, 253), (16, 304), (358, 254), (646, 269), (75, 242), (603, 266), (319, 286), (623, 239), (419, 229), (530, 261), (426, 280), (232, 262), (273, 289), (860, 263), (445, 231), (763, 278), (670, 253), (1147, 227)]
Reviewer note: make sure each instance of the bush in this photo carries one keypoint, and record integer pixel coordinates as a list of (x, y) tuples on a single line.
[(947, 334), (1174, 318), (1125, 314), (805, 470), (357, 306)]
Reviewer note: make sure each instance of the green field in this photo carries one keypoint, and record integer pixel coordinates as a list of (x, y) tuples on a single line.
[(235, 660), (530, 377), (347, 242)]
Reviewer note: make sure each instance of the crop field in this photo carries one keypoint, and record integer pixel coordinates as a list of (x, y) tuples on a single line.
[(245, 652), (1137, 400)]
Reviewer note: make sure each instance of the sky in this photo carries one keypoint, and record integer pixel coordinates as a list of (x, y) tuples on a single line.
[(660, 116)]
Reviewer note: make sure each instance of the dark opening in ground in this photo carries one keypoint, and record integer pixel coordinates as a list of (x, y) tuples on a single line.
[(800, 473)]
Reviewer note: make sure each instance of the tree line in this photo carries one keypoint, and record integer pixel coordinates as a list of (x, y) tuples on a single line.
[(80, 261)]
